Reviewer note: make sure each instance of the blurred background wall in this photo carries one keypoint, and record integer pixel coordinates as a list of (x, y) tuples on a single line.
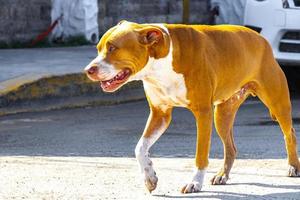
[(167, 11), (23, 20)]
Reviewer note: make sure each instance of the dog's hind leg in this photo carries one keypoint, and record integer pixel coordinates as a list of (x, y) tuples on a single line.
[(273, 91), (224, 115)]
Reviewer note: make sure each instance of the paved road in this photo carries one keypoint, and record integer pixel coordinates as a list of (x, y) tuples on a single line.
[(87, 153), (115, 130)]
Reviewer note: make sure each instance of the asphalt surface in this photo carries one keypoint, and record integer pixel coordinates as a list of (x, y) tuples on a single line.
[(88, 153), (115, 130)]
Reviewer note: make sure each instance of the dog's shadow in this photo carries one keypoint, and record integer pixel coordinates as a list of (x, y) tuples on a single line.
[(241, 195)]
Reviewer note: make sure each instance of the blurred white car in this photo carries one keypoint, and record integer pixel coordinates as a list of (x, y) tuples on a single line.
[(279, 22)]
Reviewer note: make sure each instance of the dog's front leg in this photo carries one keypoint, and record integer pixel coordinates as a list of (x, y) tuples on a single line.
[(204, 128), (158, 121)]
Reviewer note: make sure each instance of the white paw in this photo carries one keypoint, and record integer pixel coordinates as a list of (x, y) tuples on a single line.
[(192, 187), (293, 172), (142, 155), (196, 184), (150, 179)]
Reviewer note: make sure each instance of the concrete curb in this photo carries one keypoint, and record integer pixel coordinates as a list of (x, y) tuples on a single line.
[(32, 93)]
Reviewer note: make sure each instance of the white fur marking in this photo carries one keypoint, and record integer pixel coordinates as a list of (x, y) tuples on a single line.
[(142, 153), (162, 84), (143, 146), (199, 176), (196, 184), (106, 71)]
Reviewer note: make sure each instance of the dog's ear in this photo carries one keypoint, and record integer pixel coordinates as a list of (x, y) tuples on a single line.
[(149, 35)]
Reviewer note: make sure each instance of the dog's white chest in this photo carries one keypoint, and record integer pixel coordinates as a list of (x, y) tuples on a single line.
[(163, 86)]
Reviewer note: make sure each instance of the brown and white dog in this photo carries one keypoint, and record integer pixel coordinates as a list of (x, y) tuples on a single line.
[(210, 70)]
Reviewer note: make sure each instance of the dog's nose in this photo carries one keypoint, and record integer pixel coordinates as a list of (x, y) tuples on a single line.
[(92, 70)]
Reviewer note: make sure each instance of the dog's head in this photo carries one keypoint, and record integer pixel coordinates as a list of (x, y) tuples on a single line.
[(124, 50)]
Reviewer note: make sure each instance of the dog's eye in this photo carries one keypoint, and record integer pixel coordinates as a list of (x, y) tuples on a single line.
[(111, 48)]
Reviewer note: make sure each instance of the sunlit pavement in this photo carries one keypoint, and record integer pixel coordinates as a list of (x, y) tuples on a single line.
[(88, 153)]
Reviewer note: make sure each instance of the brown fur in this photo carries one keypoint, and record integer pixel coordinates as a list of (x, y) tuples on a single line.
[(222, 65), (217, 62)]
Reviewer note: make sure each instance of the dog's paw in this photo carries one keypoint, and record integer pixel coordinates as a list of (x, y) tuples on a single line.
[(150, 180), (294, 172), (192, 187), (196, 184), (219, 179)]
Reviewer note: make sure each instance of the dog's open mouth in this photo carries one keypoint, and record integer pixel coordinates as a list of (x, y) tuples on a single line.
[(112, 84)]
